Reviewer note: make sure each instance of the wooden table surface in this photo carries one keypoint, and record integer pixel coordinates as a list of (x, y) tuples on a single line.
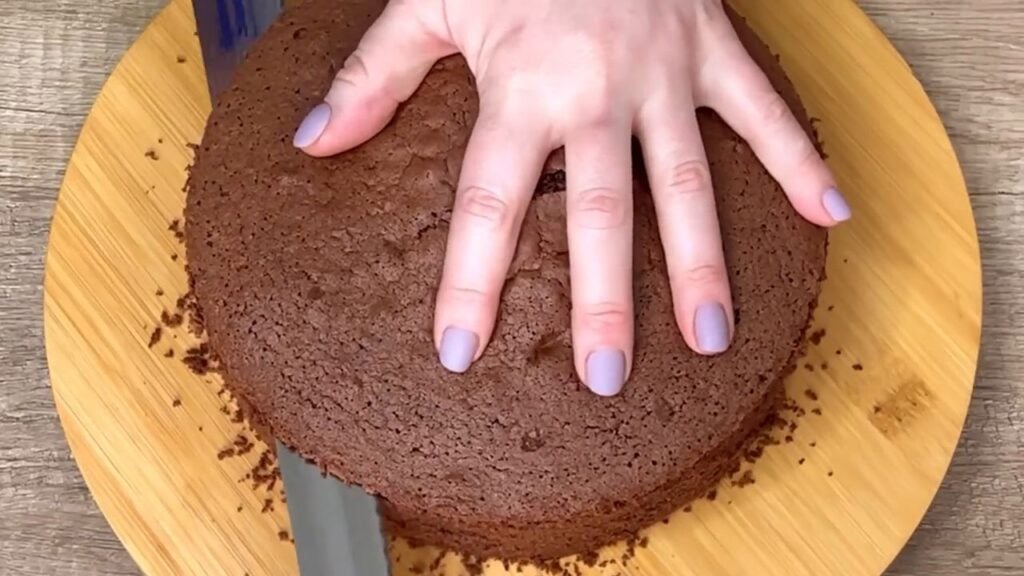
[(55, 55)]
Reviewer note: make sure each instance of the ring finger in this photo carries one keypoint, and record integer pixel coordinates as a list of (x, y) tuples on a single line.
[(688, 221)]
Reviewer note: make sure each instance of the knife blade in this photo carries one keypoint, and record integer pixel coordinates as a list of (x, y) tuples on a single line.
[(336, 526)]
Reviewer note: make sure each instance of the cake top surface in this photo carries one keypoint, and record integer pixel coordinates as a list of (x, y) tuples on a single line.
[(317, 276)]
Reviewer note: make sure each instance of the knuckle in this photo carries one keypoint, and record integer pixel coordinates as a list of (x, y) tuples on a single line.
[(773, 110), (596, 111), (485, 205), (600, 208), (605, 317), (689, 177), (708, 12), (354, 72), (805, 155), (706, 275), (463, 297), (464, 300)]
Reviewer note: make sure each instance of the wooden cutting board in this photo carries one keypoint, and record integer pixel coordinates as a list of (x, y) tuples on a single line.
[(892, 373)]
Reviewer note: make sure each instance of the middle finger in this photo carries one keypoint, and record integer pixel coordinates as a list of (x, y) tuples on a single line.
[(600, 232)]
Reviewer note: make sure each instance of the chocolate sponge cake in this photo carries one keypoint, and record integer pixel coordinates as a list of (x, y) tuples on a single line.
[(316, 279)]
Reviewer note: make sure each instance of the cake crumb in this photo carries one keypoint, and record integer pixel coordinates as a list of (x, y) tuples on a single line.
[(816, 411), (159, 291), (152, 154), (180, 59), (831, 308), (176, 402), (712, 495), (436, 563), (817, 336), (171, 320), (688, 508), (589, 558), (154, 338), (243, 445), (824, 365), (473, 566), (283, 535), (811, 394), (239, 508), (266, 472), (788, 439), (174, 257), (268, 505), (225, 453), (169, 353), (745, 480), (630, 552), (813, 444), (830, 473), (839, 351), (200, 360), (858, 367), (809, 367), (801, 461), (175, 228)]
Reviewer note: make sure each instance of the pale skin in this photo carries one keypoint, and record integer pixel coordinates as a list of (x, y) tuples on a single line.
[(587, 75)]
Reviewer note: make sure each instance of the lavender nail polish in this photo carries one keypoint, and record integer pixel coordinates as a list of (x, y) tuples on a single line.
[(458, 347), (606, 371), (836, 205), (312, 126), (711, 326)]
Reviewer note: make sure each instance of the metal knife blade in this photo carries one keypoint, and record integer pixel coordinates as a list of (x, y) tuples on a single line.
[(336, 527)]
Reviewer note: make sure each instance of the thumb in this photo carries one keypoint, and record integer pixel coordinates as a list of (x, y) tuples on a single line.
[(392, 59)]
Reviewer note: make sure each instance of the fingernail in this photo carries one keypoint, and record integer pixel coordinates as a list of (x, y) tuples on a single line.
[(836, 205), (711, 326), (312, 125), (606, 371), (458, 347)]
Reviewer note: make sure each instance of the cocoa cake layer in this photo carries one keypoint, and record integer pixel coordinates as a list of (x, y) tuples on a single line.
[(316, 278)]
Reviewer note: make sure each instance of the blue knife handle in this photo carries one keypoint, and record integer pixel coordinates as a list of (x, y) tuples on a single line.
[(226, 30)]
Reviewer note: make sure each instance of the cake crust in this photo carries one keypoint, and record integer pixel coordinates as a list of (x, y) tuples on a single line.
[(316, 279)]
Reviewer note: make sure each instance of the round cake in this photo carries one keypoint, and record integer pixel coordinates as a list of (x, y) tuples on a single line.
[(316, 280)]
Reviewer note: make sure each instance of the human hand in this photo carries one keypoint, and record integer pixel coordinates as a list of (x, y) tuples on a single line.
[(586, 75)]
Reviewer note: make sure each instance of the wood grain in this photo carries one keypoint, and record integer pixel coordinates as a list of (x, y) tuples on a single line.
[(965, 56)]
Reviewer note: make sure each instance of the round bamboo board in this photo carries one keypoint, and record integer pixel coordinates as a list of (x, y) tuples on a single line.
[(892, 374)]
